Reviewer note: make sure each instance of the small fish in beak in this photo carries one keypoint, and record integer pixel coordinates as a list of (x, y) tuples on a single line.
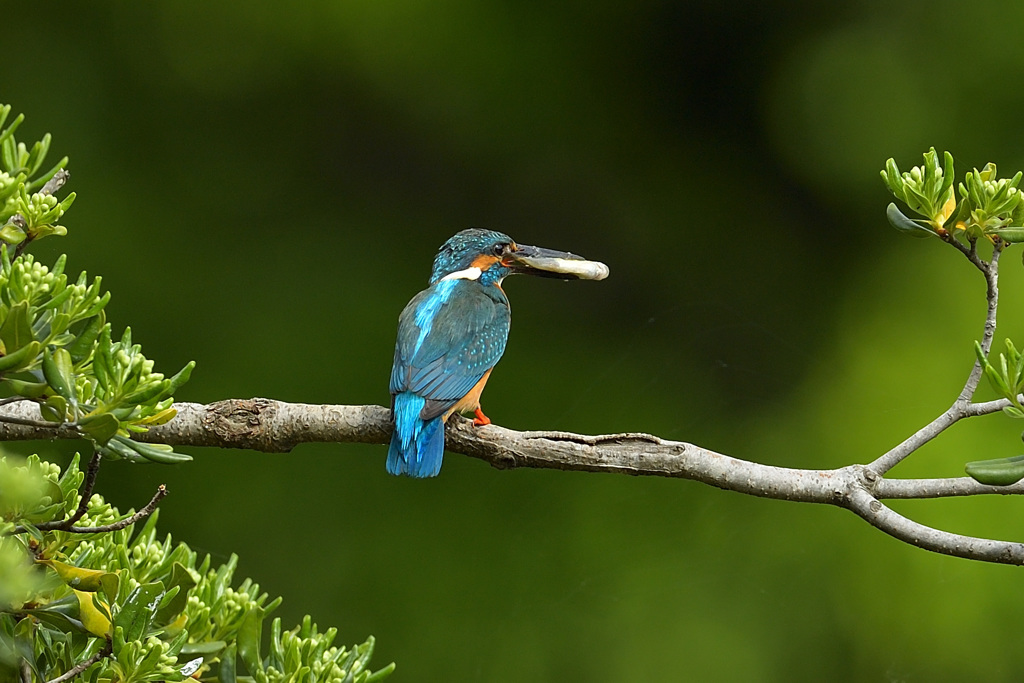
[(558, 264)]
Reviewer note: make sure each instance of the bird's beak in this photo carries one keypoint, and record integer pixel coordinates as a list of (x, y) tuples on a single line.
[(559, 264)]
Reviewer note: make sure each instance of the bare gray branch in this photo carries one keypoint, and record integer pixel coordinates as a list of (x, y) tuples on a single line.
[(275, 426)]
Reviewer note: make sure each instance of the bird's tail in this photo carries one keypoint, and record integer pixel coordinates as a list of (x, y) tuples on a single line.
[(417, 446)]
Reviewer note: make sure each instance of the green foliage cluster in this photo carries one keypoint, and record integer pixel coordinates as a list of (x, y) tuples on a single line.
[(80, 592), (990, 208), (153, 608), (28, 210), (56, 347)]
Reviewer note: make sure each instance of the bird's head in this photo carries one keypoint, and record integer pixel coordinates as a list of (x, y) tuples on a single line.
[(490, 256)]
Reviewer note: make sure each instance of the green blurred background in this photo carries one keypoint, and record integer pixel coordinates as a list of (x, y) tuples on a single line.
[(263, 187)]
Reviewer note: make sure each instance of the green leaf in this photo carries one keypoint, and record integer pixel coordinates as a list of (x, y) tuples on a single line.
[(382, 674), (16, 330), (45, 178), (114, 449), (227, 665), (57, 369), (169, 595), (209, 647), (156, 452), (8, 150), (62, 614), (27, 389), (54, 409), (136, 615), (181, 377), (180, 579), (997, 472), (82, 347), (102, 364), (93, 613), (59, 297), (892, 178), (9, 131), (20, 359), (249, 633), (905, 225), (84, 579), (149, 392), (51, 499), (100, 427), (12, 234), (1013, 234), (101, 302), (948, 173)]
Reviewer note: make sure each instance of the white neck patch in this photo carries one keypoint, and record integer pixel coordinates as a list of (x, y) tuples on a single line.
[(467, 274)]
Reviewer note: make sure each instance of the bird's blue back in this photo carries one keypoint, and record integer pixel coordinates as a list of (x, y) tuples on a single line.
[(449, 336)]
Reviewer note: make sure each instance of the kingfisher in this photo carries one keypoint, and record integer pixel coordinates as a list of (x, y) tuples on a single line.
[(452, 334)]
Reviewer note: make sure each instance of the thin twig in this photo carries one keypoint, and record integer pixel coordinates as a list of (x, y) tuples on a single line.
[(14, 399), (82, 666), (895, 455), (944, 542), (952, 487), (971, 252), (41, 424), (991, 273), (161, 493), (86, 495), (56, 182), (989, 407), (962, 406)]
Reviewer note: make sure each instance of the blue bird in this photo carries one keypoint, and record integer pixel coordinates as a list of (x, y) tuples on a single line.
[(452, 334)]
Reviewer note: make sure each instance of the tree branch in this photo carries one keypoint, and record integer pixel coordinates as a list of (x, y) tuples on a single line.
[(275, 427), (991, 272), (944, 542), (962, 406), (894, 456)]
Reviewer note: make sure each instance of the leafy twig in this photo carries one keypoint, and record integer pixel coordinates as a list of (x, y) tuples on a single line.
[(82, 666), (40, 424), (83, 504), (161, 493)]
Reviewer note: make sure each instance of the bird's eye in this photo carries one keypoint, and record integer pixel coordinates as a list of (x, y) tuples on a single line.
[(499, 249)]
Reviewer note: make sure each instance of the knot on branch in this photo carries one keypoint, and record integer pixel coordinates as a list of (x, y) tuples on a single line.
[(867, 478), (246, 422)]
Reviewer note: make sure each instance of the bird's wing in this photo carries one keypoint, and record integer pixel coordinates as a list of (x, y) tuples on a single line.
[(449, 336)]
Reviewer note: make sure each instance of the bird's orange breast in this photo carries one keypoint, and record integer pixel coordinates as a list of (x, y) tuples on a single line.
[(471, 401)]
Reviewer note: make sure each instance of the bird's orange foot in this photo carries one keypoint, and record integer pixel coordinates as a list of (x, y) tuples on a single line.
[(480, 418)]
